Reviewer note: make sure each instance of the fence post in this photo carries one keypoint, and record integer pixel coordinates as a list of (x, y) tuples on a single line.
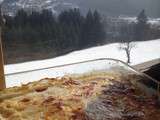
[(2, 77)]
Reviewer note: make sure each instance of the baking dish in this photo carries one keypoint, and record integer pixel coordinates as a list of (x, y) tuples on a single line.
[(90, 90), (146, 83)]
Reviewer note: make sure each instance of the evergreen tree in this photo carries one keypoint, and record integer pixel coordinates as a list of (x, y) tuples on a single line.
[(141, 26), (93, 31), (87, 32), (99, 30), (71, 22), (142, 18), (21, 18)]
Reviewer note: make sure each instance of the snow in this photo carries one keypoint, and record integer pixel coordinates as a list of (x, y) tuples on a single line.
[(129, 19), (152, 21), (48, 1), (155, 21), (1, 1), (142, 52)]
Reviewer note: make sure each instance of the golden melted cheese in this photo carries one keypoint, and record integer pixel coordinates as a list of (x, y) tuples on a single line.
[(89, 97)]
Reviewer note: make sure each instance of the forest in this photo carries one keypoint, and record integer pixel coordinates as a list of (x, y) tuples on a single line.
[(40, 35)]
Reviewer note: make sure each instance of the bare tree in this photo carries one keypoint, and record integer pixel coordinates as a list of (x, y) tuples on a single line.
[(127, 47)]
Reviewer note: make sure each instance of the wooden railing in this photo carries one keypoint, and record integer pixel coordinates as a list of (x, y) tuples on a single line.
[(2, 78)]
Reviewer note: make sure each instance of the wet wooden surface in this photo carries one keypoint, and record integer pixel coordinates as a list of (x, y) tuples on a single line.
[(146, 65)]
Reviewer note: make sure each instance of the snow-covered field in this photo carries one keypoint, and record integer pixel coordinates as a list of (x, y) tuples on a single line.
[(143, 51)]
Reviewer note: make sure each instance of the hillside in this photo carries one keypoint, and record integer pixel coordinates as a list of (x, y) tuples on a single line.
[(106, 7), (143, 51)]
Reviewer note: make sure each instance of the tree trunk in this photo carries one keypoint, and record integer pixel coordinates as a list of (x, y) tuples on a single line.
[(128, 56)]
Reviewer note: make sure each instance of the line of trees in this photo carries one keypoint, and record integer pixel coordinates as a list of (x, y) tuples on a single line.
[(41, 33)]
